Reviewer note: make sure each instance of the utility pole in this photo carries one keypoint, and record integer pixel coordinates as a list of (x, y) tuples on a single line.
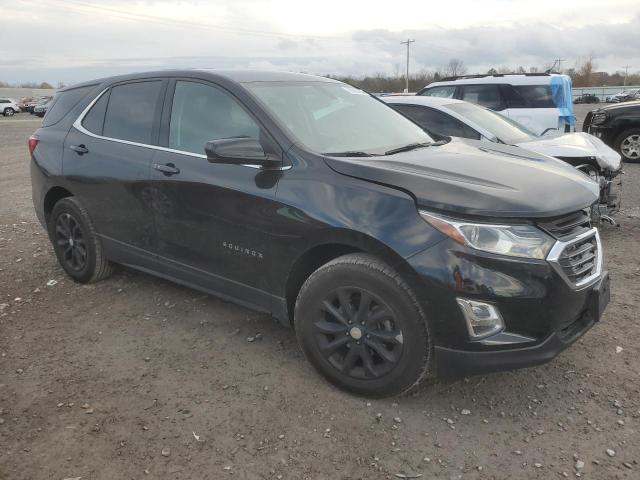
[(626, 72), (559, 62), (407, 43)]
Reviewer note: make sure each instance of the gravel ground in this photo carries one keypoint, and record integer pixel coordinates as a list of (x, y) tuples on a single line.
[(135, 377)]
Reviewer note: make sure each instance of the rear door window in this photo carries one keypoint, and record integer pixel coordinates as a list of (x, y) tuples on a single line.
[(485, 95), (62, 104), (442, 92), (535, 96), (436, 122), (131, 111)]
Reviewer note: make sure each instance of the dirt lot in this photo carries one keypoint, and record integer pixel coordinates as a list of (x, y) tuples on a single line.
[(135, 377)]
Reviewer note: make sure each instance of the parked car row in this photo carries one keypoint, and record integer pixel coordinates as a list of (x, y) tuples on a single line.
[(625, 96), (37, 106), (394, 253)]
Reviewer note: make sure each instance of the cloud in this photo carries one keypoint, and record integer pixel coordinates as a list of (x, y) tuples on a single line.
[(116, 37)]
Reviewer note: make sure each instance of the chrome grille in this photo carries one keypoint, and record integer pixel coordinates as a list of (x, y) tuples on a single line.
[(579, 260)]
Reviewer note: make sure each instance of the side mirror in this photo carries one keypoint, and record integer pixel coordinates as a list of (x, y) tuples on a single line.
[(237, 151)]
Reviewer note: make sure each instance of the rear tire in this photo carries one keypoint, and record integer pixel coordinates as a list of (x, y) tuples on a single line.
[(76, 242), (627, 144), (359, 324)]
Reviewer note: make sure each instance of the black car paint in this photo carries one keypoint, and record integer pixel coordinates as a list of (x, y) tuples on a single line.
[(620, 117), (253, 235)]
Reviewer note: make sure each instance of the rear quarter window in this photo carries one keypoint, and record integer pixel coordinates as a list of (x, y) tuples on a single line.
[(62, 104)]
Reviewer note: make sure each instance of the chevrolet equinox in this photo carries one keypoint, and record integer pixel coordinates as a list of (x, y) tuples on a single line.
[(394, 257)]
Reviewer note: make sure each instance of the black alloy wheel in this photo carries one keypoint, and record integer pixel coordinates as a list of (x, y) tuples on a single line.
[(76, 243), (71, 242), (360, 325), (358, 334)]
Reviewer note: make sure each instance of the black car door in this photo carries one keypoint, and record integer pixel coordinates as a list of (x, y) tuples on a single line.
[(212, 220), (107, 158)]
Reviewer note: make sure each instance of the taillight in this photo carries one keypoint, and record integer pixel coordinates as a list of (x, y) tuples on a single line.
[(33, 143)]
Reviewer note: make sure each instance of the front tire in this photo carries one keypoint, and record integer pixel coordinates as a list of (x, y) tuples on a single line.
[(8, 112), (359, 324), (628, 145), (76, 243)]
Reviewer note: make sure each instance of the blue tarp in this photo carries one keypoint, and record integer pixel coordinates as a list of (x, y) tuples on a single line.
[(562, 98)]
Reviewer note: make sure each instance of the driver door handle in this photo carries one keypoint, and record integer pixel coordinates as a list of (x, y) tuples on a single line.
[(167, 168)]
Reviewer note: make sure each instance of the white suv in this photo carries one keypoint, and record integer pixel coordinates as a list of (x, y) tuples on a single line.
[(8, 107), (540, 102)]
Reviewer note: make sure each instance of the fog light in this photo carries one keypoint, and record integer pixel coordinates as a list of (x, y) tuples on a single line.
[(483, 319)]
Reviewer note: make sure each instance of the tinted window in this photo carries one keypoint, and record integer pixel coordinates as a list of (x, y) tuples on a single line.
[(536, 96), (436, 122), (201, 113), (62, 103), (485, 95), (443, 92), (512, 98), (94, 119), (131, 111), (4, 101)]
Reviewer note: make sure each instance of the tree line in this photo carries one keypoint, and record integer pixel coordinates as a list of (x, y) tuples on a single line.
[(583, 74)]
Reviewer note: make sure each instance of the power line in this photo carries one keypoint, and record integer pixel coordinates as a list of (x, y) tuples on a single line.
[(407, 43), (118, 13)]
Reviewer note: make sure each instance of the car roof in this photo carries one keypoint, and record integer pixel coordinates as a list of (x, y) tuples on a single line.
[(422, 100), (509, 79), (238, 76)]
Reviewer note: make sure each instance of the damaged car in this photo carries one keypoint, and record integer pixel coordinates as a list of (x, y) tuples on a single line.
[(446, 117), (394, 257)]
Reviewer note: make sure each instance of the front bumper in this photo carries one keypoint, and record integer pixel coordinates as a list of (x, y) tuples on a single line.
[(542, 312), (456, 363)]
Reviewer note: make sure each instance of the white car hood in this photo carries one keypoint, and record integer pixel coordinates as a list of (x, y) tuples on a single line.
[(579, 144)]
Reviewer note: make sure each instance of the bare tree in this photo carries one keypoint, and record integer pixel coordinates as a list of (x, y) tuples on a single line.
[(455, 68)]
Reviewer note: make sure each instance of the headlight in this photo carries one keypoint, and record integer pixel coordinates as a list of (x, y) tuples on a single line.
[(512, 240), (598, 118)]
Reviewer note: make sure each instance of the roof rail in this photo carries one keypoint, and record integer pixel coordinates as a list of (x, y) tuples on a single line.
[(483, 75)]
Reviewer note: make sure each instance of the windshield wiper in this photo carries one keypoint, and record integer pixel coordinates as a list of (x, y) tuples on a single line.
[(413, 146), (354, 153)]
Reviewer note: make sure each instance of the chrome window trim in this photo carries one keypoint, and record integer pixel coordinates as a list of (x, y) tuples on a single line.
[(78, 126), (554, 259)]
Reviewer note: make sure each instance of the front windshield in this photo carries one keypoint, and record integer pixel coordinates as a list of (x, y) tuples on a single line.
[(503, 128), (328, 117)]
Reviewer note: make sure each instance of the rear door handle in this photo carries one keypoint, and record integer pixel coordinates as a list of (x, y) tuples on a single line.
[(79, 149), (168, 168)]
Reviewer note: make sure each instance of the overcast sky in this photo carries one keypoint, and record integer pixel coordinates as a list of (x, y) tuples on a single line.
[(70, 41)]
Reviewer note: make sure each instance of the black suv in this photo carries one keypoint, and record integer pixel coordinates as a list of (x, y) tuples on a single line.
[(618, 126), (391, 255)]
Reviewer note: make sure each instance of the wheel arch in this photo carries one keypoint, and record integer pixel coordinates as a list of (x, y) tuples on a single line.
[(323, 251), (53, 196)]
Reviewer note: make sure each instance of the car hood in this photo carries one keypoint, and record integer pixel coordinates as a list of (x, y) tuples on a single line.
[(618, 107), (475, 178), (575, 145)]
